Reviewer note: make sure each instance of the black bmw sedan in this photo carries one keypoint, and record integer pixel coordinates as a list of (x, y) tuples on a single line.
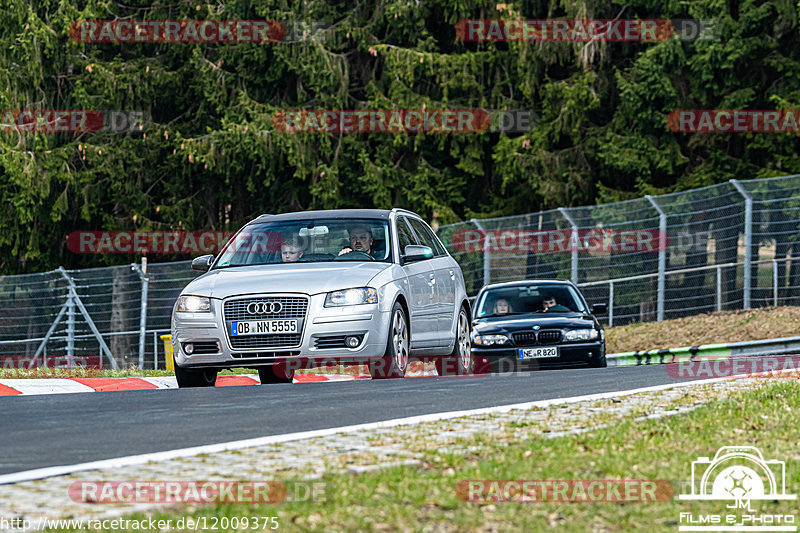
[(530, 324)]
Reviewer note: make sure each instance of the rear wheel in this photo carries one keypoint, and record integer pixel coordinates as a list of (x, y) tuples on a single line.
[(205, 377), (277, 373), (458, 363), (394, 362)]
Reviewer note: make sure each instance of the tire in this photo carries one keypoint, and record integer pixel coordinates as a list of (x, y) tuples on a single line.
[(277, 373), (205, 377), (394, 362), (458, 363), (599, 362)]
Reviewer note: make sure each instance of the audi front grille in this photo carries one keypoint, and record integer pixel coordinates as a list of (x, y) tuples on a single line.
[(291, 307)]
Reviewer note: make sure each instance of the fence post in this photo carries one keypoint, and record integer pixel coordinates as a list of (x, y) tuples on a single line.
[(775, 282), (748, 240), (610, 303), (142, 271), (662, 257), (719, 288), (74, 294), (70, 329), (487, 254), (573, 241)]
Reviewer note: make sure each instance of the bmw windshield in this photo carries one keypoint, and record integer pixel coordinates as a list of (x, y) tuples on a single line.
[(308, 241), (547, 298)]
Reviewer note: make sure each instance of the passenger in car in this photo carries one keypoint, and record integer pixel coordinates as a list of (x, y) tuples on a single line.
[(360, 240), (291, 251), (502, 307)]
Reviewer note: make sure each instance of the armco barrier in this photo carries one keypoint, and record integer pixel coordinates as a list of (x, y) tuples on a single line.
[(780, 346)]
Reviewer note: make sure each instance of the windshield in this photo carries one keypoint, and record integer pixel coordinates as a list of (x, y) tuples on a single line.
[(535, 298), (308, 241)]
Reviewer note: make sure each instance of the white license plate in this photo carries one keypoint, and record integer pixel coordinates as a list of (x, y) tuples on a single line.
[(535, 353), (263, 327)]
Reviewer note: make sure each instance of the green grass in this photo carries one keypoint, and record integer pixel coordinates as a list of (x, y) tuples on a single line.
[(423, 498)]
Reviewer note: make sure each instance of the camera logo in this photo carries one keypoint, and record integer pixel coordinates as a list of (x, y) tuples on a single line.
[(738, 475)]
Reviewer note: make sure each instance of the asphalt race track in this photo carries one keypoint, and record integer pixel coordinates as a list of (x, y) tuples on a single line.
[(64, 429)]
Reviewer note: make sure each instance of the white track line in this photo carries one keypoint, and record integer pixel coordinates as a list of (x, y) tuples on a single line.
[(118, 462)]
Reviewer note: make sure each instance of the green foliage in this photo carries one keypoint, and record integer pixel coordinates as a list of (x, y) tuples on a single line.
[(211, 156)]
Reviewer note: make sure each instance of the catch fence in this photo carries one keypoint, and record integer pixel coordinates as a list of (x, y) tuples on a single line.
[(734, 245)]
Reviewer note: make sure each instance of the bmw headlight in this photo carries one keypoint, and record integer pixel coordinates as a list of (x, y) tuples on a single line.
[(489, 340), (194, 304), (362, 295), (580, 334)]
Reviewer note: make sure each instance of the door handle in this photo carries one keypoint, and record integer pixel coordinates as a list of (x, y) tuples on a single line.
[(452, 275)]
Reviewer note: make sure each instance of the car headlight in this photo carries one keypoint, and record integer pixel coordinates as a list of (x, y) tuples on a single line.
[(362, 295), (580, 334), (489, 340), (194, 304)]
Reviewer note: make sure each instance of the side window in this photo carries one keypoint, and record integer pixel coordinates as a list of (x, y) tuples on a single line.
[(426, 236), (404, 235)]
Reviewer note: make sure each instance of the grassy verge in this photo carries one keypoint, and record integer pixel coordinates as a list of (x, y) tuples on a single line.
[(712, 328), (424, 497)]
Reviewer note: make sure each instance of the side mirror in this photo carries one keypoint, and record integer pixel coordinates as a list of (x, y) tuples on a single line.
[(599, 309), (416, 253), (202, 263)]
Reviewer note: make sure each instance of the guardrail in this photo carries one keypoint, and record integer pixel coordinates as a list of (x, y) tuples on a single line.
[(780, 346)]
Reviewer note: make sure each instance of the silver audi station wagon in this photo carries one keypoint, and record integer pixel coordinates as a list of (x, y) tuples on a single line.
[(305, 289)]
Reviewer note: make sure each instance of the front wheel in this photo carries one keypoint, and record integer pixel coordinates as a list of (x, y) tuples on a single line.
[(206, 377), (458, 363), (599, 362), (394, 362)]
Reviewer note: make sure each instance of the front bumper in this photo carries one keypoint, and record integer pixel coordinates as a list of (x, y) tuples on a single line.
[(506, 358), (366, 321)]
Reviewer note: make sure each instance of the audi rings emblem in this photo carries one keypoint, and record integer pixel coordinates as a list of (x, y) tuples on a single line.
[(258, 308)]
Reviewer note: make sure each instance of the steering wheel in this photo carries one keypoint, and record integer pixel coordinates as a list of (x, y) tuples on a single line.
[(354, 255)]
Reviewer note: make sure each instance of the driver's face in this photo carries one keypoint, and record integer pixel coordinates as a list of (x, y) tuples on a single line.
[(360, 240)]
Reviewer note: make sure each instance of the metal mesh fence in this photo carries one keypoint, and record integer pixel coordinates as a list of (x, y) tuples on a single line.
[(41, 324), (729, 246)]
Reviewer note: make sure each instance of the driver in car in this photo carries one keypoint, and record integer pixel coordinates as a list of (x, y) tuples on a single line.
[(551, 306), (360, 240)]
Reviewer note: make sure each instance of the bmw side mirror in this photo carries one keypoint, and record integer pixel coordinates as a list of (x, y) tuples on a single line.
[(413, 253), (599, 309), (202, 263)]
